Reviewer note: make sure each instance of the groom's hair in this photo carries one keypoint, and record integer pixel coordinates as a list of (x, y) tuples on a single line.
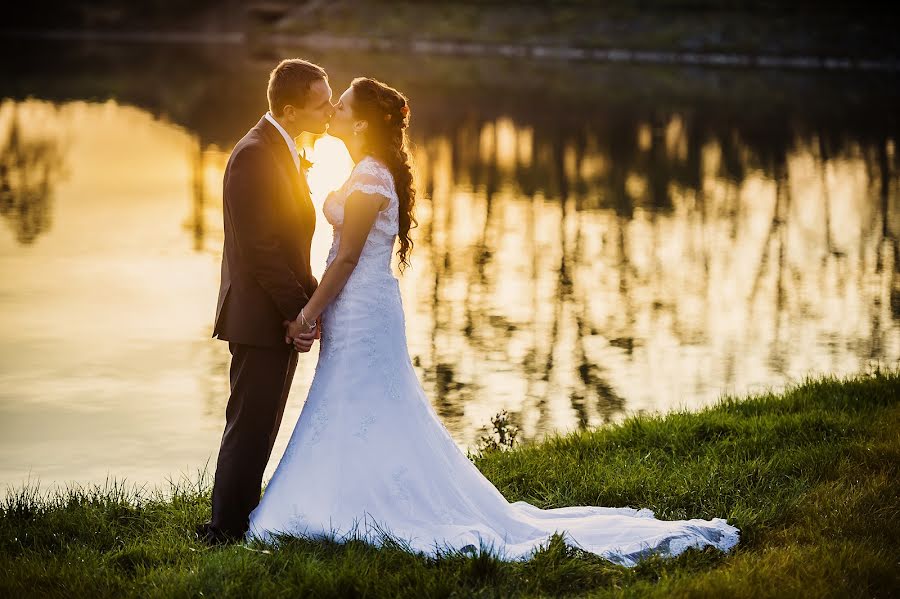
[(290, 81)]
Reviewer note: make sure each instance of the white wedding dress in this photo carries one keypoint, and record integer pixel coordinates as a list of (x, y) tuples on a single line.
[(369, 457)]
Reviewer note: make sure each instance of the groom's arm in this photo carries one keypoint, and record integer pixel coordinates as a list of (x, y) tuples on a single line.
[(249, 191)]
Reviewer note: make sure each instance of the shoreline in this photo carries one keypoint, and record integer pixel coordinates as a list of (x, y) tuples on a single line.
[(573, 53)]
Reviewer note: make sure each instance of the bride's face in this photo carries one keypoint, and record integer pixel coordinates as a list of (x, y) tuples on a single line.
[(343, 123)]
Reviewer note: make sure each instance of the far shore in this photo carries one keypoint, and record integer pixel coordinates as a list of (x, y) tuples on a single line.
[(325, 41)]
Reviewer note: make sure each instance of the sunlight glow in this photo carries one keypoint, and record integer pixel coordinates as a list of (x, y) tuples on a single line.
[(331, 167)]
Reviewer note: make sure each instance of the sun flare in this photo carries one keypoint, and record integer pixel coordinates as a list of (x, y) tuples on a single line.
[(331, 167)]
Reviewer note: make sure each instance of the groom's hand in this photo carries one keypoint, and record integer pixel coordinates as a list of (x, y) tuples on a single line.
[(299, 335), (294, 329), (303, 342)]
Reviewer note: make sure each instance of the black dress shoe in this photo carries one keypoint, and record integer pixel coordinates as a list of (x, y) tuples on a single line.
[(208, 534)]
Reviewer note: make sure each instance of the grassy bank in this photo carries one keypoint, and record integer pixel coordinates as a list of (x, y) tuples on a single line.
[(809, 475)]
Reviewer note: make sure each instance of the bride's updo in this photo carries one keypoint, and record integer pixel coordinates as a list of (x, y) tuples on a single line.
[(387, 112)]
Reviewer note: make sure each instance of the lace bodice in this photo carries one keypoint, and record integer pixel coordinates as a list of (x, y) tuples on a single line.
[(372, 177)]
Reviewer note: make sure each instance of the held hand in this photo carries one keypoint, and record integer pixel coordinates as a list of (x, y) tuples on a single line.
[(294, 329), (304, 341)]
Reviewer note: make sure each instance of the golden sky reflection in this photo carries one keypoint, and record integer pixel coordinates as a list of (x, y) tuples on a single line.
[(515, 300)]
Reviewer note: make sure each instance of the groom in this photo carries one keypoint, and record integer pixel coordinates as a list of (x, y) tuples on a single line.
[(269, 221)]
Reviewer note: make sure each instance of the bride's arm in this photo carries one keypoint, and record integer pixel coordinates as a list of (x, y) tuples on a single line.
[(360, 211)]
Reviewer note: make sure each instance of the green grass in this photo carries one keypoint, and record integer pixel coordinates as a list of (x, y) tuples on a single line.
[(810, 476)]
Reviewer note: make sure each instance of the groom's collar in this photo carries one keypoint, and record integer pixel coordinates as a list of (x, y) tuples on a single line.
[(292, 146), (273, 136)]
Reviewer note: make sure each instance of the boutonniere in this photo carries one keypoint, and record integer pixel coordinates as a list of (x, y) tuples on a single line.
[(305, 163)]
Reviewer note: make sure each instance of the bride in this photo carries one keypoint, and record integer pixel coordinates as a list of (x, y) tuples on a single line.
[(369, 458)]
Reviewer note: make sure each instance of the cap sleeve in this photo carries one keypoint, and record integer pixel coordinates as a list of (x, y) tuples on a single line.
[(371, 178)]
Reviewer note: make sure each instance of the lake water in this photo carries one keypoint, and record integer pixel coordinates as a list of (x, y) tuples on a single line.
[(594, 241)]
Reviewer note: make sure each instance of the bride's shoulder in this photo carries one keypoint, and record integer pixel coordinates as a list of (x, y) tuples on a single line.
[(371, 176), (370, 165)]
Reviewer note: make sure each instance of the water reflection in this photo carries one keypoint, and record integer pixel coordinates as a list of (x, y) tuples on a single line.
[(29, 170), (577, 259), (650, 263), (203, 223)]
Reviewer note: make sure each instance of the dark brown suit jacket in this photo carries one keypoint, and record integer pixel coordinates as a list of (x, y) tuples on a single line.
[(269, 221)]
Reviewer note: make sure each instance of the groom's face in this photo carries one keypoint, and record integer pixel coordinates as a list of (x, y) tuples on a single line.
[(316, 113)]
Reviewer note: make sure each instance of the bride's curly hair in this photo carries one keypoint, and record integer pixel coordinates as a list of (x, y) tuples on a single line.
[(387, 112)]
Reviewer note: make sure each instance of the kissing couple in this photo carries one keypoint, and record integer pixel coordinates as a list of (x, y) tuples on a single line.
[(368, 457)]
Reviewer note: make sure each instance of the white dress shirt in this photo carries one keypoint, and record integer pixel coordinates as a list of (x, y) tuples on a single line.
[(287, 139)]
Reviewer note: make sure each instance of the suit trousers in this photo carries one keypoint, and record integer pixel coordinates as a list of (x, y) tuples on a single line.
[(260, 382)]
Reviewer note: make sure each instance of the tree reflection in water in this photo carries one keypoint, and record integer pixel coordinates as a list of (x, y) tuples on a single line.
[(598, 239), (631, 235), (29, 172)]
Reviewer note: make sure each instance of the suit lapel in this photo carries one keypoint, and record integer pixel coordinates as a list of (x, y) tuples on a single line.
[(299, 186)]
